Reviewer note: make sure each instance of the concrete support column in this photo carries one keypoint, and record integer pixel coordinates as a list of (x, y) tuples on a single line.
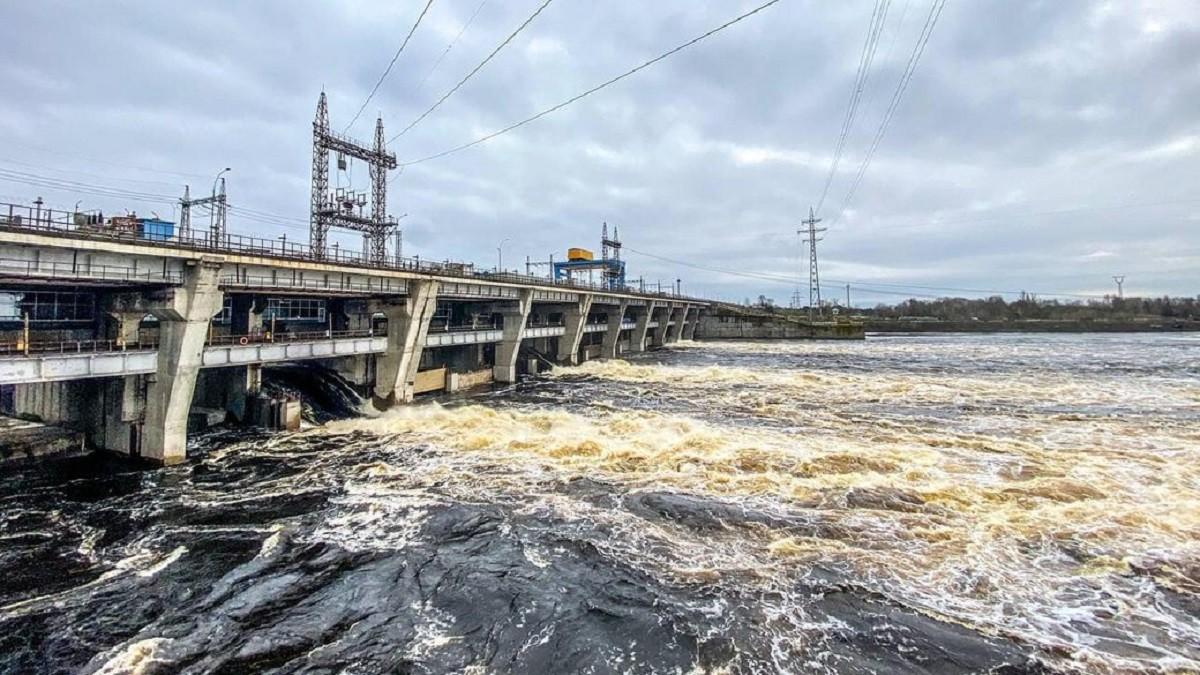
[(574, 321), (247, 318), (612, 336), (120, 407), (679, 313), (243, 386), (408, 325), (183, 315), (505, 368), (641, 329), (664, 317), (125, 313), (689, 329)]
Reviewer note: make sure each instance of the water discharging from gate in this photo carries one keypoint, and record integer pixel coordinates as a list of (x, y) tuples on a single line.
[(928, 504)]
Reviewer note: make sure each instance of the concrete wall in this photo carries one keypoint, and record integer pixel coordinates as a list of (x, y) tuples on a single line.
[(732, 327)]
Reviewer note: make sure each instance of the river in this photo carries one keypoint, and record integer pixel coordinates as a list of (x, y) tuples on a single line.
[(918, 504)]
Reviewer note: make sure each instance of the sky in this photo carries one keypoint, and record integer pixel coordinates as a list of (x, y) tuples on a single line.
[(1042, 146)]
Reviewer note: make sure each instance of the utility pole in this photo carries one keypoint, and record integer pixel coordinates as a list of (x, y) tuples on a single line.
[(217, 228), (814, 277), (847, 297), (185, 214), (217, 203), (1120, 279)]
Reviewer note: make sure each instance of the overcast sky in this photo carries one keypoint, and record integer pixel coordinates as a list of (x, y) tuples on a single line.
[(1041, 145)]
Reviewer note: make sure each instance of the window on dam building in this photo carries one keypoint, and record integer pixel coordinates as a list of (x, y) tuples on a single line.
[(295, 309), (47, 306), (224, 316)]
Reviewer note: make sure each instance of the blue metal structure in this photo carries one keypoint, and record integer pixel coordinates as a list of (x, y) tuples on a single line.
[(612, 268), (612, 273), (155, 229)]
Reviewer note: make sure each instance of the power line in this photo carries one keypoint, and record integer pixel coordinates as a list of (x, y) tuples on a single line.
[(1074, 209), (83, 188), (474, 70), (450, 46), (870, 45), (935, 11), (593, 90), (98, 190), (90, 175), (791, 280), (389, 66), (93, 160)]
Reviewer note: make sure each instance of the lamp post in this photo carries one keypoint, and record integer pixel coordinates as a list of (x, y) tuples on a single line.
[(219, 174), (500, 254), (216, 214)]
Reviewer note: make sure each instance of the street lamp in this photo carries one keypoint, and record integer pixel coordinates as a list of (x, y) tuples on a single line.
[(219, 174), (500, 254)]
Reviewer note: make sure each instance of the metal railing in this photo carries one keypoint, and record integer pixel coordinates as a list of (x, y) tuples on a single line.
[(273, 338), (35, 268), (64, 223), (40, 347), (19, 348)]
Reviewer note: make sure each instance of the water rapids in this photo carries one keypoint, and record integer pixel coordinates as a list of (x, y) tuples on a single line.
[(949, 504)]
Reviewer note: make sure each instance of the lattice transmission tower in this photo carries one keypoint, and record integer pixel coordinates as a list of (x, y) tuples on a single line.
[(814, 275), (343, 208)]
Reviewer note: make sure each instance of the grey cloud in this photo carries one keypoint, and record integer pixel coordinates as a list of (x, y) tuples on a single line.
[(712, 156)]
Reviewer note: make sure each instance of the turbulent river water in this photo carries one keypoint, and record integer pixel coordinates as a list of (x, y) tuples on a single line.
[(942, 504)]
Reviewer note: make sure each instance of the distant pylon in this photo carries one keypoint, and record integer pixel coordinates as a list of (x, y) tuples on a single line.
[(1120, 279), (814, 276)]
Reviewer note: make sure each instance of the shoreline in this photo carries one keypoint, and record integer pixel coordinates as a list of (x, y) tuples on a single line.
[(1173, 326)]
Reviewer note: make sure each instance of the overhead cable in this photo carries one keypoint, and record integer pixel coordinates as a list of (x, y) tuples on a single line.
[(437, 62), (935, 11), (865, 59), (789, 279), (389, 66), (618, 78), (474, 70)]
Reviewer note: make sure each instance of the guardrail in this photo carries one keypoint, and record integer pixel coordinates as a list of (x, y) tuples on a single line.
[(35, 268), (63, 223), (19, 348), (73, 347)]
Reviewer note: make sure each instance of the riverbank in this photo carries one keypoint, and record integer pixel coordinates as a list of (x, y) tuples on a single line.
[(1031, 326)]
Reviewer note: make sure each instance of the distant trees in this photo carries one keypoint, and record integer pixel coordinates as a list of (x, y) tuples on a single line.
[(996, 308)]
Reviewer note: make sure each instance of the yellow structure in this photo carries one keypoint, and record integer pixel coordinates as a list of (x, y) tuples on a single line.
[(579, 254)]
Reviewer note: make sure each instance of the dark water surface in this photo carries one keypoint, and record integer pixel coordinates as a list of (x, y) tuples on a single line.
[(930, 504)]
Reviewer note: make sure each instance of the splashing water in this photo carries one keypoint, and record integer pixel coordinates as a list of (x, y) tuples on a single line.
[(931, 504)]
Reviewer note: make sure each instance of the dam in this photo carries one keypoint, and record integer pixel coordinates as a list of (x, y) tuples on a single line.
[(126, 336)]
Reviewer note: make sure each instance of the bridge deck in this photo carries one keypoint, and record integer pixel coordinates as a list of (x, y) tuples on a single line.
[(54, 362)]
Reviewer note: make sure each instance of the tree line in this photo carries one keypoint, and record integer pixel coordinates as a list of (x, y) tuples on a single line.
[(996, 308)]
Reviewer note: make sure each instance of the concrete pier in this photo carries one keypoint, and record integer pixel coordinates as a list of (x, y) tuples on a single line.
[(408, 324), (574, 321), (612, 335), (183, 315), (641, 330), (514, 317)]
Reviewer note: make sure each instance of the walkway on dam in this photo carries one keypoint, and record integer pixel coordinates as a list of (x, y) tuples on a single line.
[(54, 361)]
